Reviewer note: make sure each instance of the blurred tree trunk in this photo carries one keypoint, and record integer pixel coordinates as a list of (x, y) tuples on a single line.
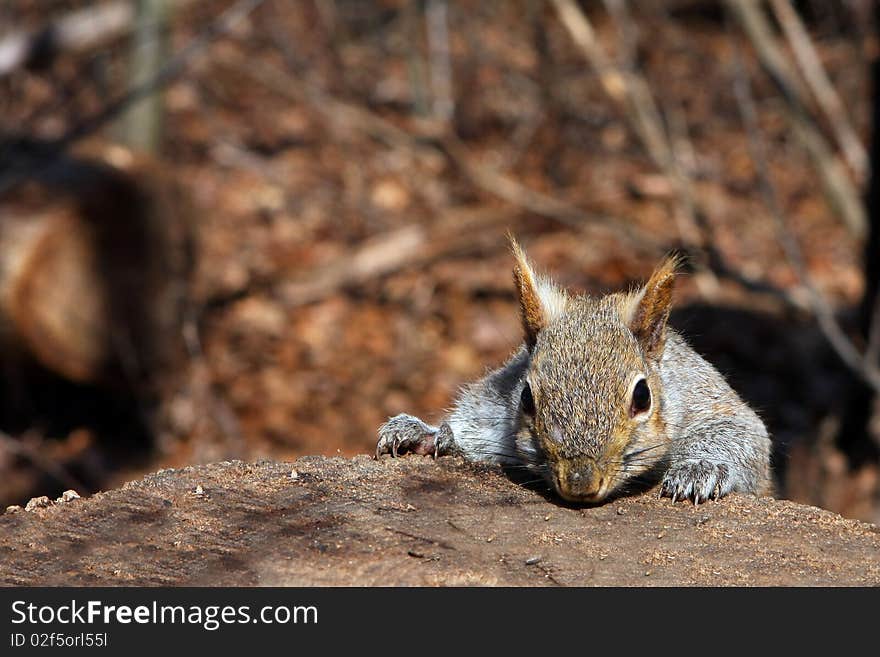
[(142, 123), (95, 260)]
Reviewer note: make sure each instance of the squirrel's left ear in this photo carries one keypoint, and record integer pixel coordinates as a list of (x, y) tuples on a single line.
[(650, 306), (539, 300)]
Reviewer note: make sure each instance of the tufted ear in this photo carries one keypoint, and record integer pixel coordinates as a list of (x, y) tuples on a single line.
[(649, 307), (540, 301)]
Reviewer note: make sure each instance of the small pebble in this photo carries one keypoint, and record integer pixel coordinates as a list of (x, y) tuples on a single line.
[(13, 509), (67, 496), (294, 474), (533, 560), (620, 510), (38, 503), (199, 490)]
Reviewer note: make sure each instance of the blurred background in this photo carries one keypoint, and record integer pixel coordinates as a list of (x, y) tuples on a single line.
[(256, 229)]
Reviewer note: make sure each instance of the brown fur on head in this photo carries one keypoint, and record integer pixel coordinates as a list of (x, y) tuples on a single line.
[(651, 305), (539, 299), (584, 406)]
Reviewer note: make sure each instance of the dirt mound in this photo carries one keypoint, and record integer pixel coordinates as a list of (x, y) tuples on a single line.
[(412, 521)]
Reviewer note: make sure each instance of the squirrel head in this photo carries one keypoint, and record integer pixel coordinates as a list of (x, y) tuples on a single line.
[(592, 398)]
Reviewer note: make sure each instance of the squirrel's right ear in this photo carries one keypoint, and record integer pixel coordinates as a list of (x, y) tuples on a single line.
[(650, 306), (539, 300)]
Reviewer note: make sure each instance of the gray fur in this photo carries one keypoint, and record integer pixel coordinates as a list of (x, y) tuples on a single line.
[(699, 437), (719, 444)]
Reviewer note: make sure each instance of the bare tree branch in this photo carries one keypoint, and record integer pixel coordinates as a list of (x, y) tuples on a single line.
[(839, 189), (23, 449), (27, 163), (823, 91), (78, 30), (627, 33), (822, 310), (437, 24), (346, 116), (628, 91), (142, 123), (485, 177), (632, 93)]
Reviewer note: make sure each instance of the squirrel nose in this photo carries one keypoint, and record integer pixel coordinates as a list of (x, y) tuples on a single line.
[(584, 480)]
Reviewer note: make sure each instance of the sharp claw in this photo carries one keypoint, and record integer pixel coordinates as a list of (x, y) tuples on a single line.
[(674, 496), (394, 445)]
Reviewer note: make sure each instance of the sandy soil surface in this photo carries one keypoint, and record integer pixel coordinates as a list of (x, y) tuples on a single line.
[(413, 521)]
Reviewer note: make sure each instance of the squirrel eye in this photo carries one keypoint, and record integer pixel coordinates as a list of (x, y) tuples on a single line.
[(528, 402), (641, 400)]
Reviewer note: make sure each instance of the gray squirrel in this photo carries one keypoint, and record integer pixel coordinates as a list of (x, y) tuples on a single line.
[(601, 398)]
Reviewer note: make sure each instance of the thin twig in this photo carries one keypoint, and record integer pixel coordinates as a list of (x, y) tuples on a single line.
[(500, 185), (822, 310), (218, 409), (627, 33), (628, 91), (839, 189), (343, 115), (816, 78), (35, 455), (173, 68), (79, 30), (631, 91), (437, 24), (510, 190)]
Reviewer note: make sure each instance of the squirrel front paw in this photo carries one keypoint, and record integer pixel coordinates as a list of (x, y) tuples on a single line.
[(697, 480), (408, 434)]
